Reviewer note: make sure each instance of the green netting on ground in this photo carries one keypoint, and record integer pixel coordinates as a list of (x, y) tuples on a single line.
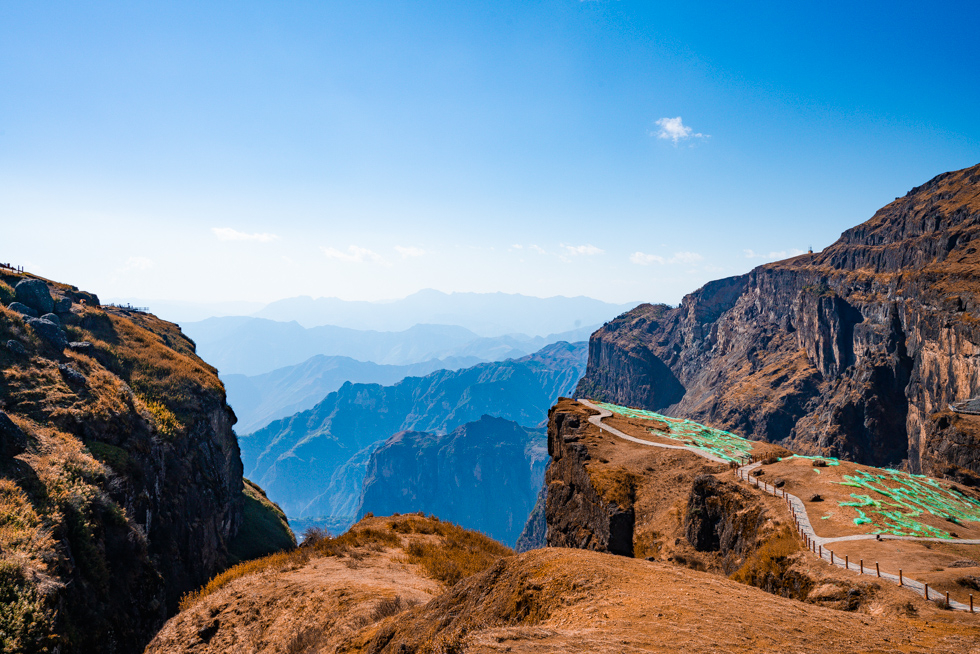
[(897, 499), (725, 445)]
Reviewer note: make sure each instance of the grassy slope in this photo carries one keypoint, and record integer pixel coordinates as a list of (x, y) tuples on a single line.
[(264, 527)]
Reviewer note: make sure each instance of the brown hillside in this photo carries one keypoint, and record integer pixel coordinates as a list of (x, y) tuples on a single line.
[(320, 596), (367, 592)]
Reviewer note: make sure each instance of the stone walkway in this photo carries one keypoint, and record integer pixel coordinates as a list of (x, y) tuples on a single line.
[(813, 542)]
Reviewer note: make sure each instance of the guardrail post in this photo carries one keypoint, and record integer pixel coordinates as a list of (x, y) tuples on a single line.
[(901, 582), (971, 602), (862, 566), (847, 562), (877, 569), (927, 591)]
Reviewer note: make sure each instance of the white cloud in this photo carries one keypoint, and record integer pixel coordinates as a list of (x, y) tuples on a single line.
[(229, 234), (409, 251), (773, 256), (686, 257), (644, 259), (517, 246), (675, 130), (137, 263), (538, 249), (575, 250), (354, 254)]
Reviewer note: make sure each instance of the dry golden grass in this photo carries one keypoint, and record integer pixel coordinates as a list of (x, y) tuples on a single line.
[(457, 554), (450, 555), (23, 537), (616, 485)]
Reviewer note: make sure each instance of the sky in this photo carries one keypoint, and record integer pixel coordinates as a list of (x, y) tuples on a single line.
[(627, 151)]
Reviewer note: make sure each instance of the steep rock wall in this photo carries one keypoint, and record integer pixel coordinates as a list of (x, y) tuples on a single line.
[(119, 466), (845, 352), (576, 514)]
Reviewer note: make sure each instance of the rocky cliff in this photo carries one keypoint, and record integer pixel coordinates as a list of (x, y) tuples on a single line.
[(120, 476), (577, 513), (848, 352)]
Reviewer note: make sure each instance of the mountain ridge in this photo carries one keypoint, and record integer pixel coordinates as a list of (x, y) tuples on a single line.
[(849, 352), (290, 456)]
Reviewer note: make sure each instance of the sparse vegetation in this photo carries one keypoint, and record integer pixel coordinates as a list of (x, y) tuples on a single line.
[(7, 294), (264, 529), (458, 554), (455, 553), (770, 567)]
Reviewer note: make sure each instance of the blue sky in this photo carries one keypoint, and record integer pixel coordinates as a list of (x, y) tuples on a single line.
[(253, 151)]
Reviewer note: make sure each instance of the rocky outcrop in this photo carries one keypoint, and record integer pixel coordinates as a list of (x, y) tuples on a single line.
[(846, 352), (119, 466), (576, 514), (535, 533), (951, 446)]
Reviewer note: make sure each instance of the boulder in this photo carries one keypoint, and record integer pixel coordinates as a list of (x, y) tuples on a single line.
[(62, 305), (49, 331), (22, 309), (13, 440), (82, 346), (17, 348), (72, 375), (52, 318), (35, 294)]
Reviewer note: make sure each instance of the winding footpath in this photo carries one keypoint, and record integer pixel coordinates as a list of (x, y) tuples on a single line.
[(815, 544)]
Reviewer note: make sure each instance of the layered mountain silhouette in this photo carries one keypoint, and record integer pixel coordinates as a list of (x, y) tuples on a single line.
[(312, 463), (252, 346), (487, 314), (260, 399)]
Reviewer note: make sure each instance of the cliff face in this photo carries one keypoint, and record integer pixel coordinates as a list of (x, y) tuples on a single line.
[(120, 475), (846, 352), (577, 514)]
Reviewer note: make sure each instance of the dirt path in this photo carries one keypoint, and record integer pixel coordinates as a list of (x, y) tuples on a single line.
[(605, 413), (815, 544)]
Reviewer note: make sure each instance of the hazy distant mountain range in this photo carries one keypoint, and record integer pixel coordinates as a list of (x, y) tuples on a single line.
[(313, 463), (252, 346), (260, 399), (486, 314)]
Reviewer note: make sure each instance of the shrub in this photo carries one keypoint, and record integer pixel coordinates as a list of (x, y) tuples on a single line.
[(26, 625), (7, 293), (458, 554)]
